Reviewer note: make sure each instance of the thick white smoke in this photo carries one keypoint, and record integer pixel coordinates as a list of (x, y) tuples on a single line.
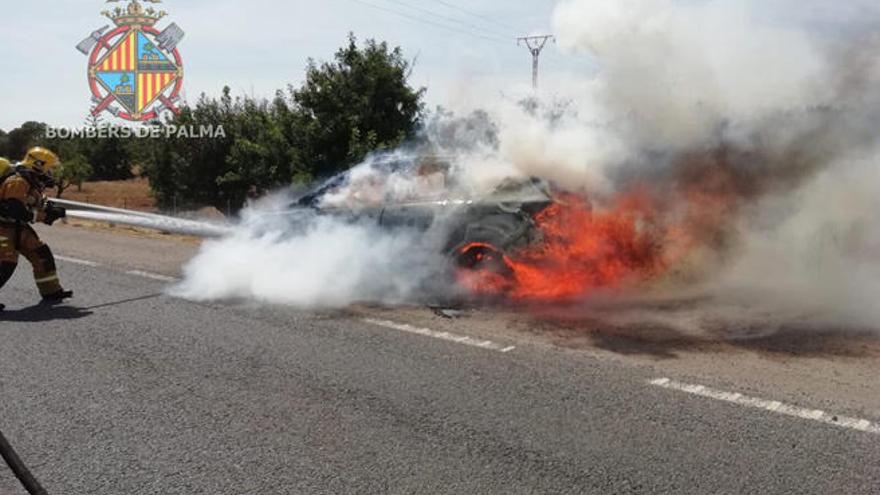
[(309, 261), (677, 69), (797, 97), (824, 256), (785, 106)]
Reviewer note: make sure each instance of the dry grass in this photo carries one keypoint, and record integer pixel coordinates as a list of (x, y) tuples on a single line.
[(131, 194)]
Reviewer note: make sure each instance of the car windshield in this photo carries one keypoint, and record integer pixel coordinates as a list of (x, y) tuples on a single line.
[(383, 182), (401, 182)]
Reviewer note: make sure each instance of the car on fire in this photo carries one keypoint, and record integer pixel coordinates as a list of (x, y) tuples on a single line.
[(477, 230)]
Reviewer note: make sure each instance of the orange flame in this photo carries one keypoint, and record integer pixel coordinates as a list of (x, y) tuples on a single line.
[(635, 239), (637, 236), (585, 249)]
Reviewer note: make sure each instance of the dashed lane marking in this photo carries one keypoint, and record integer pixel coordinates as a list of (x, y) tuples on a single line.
[(77, 261), (151, 276), (449, 337), (136, 273), (770, 405)]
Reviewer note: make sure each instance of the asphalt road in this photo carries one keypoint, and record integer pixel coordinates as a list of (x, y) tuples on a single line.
[(129, 391)]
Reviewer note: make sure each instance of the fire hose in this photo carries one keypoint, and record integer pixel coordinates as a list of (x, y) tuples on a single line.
[(87, 211), (19, 469), (124, 217)]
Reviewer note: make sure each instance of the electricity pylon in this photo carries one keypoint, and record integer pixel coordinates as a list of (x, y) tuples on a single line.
[(535, 44)]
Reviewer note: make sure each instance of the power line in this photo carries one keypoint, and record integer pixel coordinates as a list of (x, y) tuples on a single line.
[(475, 14), (448, 18), (428, 21), (536, 45)]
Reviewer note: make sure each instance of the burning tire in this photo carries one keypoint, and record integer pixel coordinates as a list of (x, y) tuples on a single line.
[(480, 256), (478, 253)]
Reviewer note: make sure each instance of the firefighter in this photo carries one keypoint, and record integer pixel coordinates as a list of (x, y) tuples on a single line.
[(22, 202)]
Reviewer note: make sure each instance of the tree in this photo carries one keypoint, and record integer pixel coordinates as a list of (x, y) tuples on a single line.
[(73, 171), (186, 171), (346, 109), (21, 139), (4, 144), (110, 156), (358, 103)]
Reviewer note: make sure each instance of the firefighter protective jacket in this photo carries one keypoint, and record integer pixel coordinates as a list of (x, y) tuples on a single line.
[(21, 201)]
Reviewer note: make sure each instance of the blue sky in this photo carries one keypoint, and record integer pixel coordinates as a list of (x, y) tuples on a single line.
[(259, 46)]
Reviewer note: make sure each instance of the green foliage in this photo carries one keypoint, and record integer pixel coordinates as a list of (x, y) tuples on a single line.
[(17, 142), (346, 109), (185, 171), (4, 143), (74, 171), (111, 156), (358, 103)]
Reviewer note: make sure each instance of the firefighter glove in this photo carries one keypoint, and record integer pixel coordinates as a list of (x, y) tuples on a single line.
[(53, 213)]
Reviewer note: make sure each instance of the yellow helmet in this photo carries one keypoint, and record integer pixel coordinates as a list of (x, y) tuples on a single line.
[(41, 160), (5, 167)]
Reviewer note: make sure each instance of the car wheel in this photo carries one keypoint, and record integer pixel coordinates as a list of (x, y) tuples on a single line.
[(478, 254)]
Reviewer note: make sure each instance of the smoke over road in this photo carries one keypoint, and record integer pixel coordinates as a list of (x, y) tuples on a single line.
[(308, 261), (717, 147)]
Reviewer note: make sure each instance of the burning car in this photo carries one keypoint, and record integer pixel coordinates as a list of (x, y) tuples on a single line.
[(474, 231), (518, 240)]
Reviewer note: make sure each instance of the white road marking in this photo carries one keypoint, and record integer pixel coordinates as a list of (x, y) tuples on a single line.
[(136, 273), (77, 261), (450, 337), (151, 276), (770, 405)]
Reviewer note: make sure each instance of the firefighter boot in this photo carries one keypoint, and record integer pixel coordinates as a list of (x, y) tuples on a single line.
[(57, 297)]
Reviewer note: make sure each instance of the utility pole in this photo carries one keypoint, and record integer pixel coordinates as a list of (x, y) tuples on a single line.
[(535, 44)]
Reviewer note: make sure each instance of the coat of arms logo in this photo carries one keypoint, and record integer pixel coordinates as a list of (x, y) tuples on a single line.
[(135, 71)]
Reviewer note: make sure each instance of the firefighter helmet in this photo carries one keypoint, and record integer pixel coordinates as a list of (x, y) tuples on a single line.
[(41, 160)]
